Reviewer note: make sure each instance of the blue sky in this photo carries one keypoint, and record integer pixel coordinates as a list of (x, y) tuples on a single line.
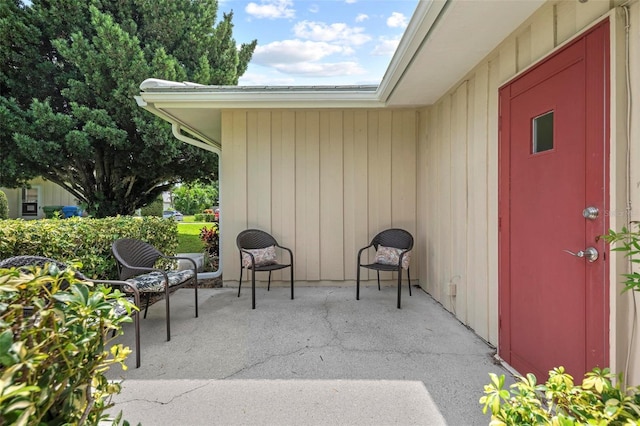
[(319, 42)]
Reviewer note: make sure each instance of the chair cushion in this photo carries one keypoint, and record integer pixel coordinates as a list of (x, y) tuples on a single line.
[(262, 257), (154, 281), (391, 256), (120, 310)]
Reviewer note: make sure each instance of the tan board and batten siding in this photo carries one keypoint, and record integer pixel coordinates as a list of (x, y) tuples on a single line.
[(325, 181), (458, 163)]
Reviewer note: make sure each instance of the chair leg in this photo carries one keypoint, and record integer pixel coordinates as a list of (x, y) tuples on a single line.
[(166, 296), (399, 286), (195, 288), (253, 289), (358, 283), (409, 278), (146, 307), (291, 280), (269, 284), (378, 280), (240, 283), (136, 324)]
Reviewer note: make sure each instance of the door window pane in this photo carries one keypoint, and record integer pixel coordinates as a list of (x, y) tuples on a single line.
[(543, 132)]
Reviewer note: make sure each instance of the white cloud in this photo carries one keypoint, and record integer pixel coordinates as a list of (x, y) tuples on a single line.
[(397, 20), (362, 17), (257, 79), (314, 8), (338, 32), (295, 51), (312, 69), (386, 46), (271, 9), (350, 1)]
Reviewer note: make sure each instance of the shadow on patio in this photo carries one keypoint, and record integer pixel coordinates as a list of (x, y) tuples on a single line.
[(323, 358)]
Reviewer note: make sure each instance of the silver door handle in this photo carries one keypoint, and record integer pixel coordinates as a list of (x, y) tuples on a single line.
[(590, 253)]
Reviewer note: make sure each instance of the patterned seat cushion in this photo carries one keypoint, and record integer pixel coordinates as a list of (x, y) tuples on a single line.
[(153, 282), (391, 256), (121, 310), (262, 257)]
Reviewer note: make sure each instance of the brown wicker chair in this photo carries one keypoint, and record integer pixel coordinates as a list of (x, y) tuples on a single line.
[(136, 261), (394, 238), (250, 242), (21, 261)]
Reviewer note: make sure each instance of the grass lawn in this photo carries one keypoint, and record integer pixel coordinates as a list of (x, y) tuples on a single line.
[(189, 237)]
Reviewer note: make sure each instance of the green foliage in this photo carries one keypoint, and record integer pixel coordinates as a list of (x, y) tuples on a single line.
[(211, 239), (153, 209), (51, 212), (558, 402), (4, 206), (204, 217), (195, 198), (189, 238), (80, 126), (628, 242), (52, 347), (85, 239)]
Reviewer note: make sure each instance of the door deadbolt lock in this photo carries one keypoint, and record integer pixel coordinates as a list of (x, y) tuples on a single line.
[(590, 213), (590, 253)]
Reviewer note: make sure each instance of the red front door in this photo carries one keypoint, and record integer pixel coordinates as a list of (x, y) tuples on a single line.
[(553, 156)]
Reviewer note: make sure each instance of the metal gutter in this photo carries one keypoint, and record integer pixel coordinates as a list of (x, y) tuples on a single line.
[(177, 127)]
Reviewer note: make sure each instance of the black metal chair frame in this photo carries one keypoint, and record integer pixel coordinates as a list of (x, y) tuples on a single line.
[(19, 261), (251, 239), (396, 238), (136, 257)]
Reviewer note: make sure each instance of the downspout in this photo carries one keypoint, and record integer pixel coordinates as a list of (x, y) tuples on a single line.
[(176, 129), (177, 133)]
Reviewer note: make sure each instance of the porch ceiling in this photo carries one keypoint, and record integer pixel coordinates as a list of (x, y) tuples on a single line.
[(443, 42), (463, 33)]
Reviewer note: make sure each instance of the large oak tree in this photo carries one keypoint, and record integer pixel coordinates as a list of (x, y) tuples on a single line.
[(69, 72)]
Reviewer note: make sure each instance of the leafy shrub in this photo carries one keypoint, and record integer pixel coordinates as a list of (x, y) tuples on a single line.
[(559, 402), (52, 350), (153, 209), (204, 217), (87, 240), (53, 212), (628, 241), (195, 197), (211, 239), (4, 206)]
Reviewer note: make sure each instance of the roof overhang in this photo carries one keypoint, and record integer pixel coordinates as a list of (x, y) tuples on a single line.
[(444, 40)]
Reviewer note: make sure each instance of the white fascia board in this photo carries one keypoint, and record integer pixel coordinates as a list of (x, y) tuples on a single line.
[(422, 21), (232, 99)]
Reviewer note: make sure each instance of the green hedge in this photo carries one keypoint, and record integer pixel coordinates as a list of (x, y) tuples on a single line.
[(153, 209), (204, 217), (84, 239), (4, 206)]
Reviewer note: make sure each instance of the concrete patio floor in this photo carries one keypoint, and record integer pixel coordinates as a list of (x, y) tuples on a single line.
[(323, 358)]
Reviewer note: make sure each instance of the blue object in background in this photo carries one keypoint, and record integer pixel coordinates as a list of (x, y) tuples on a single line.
[(70, 211)]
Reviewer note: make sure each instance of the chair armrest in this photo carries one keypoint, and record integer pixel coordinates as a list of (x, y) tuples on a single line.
[(195, 266), (361, 250), (289, 250), (253, 260), (400, 258), (131, 288)]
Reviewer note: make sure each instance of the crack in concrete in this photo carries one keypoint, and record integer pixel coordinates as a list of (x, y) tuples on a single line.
[(173, 398)]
